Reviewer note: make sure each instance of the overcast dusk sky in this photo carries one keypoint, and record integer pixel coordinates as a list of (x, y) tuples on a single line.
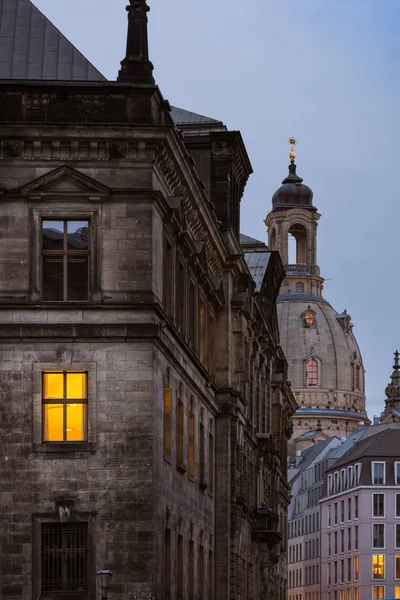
[(324, 71)]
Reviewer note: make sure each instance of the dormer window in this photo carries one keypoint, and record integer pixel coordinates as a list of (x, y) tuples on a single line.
[(312, 372), (378, 473)]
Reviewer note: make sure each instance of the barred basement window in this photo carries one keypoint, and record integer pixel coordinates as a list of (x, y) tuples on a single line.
[(64, 407), (64, 558), (65, 260)]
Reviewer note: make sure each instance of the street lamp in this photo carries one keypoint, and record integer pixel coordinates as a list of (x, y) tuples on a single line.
[(104, 578)]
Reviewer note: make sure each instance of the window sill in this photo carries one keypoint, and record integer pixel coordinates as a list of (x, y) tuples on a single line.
[(65, 448)]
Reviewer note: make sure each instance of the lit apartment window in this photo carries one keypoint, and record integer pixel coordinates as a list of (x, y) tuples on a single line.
[(397, 563), (397, 591), (378, 505), (342, 595), (378, 535), (349, 594), (356, 596), (378, 566), (356, 568), (64, 407), (378, 473), (65, 260), (378, 592), (312, 372), (397, 473)]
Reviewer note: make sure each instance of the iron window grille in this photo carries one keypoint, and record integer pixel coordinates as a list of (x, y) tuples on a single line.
[(64, 558)]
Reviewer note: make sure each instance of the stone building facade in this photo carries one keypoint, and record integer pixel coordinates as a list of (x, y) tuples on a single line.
[(325, 363), (144, 395)]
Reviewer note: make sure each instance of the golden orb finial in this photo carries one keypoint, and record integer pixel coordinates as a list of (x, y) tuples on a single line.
[(292, 154)]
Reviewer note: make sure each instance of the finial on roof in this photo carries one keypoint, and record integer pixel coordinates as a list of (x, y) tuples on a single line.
[(292, 153), (396, 365), (136, 66)]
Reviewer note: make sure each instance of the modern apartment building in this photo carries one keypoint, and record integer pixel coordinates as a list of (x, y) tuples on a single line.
[(360, 520)]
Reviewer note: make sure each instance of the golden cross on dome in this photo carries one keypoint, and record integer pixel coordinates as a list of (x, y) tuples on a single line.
[(292, 154)]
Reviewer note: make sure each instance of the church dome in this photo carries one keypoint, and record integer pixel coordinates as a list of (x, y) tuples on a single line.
[(325, 366), (293, 192)]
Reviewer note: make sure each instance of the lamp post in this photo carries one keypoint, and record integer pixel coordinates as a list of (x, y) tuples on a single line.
[(104, 578)]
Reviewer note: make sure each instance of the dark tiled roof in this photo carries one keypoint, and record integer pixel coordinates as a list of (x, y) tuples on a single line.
[(328, 411), (257, 263), (31, 47), (246, 240), (384, 444), (302, 297), (185, 117)]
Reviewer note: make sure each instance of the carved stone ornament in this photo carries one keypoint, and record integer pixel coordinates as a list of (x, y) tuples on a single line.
[(117, 150), (13, 148), (222, 149)]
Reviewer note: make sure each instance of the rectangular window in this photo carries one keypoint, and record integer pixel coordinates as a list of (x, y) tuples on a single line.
[(180, 295), (349, 509), (397, 505), (356, 595), (65, 260), (378, 535), (329, 516), (64, 401), (191, 571), (349, 539), (167, 563), (349, 594), (378, 592), (192, 441), (397, 565), (397, 591), (342, 571), (356, 568), (329, 573), (210, 576), (342, 540), (329, 544), (200, 573), (378, 505), (335, 572), (191, 328), (335, 518), (210, 463), (356, 537), (378, 473), (356, 507), (180, 435), (397, 473), (342, 511), (397, 535), (202, 456), (202, 334), (179, 566), (167, 420), (64, 558), (342, 595), (169, 279), (211, 343), (378, 566), (349, 569), (335, 542)]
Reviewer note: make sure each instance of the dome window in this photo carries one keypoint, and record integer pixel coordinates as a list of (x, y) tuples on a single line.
[(299, 287), (308, 317), (312, 372)]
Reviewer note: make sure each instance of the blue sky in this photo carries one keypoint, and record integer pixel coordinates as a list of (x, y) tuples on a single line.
[(326, 72)]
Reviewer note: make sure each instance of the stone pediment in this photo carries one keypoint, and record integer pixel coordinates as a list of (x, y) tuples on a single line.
[(64, 182)]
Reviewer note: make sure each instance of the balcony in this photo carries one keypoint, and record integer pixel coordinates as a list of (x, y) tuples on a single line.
[(303, 268), (265, 527)]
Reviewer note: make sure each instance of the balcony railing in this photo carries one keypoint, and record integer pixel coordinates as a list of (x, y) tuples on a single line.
[(303, 268)]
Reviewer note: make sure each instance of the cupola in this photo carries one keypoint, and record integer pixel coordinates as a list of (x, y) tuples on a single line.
[(293, 192)]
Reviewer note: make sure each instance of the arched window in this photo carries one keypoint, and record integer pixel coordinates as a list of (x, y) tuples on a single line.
[(312, 371), (299, 287), (297, 244), (309, 318), (272, 239)]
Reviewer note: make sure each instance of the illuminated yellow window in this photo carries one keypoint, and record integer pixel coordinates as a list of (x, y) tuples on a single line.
[(378, 592), (356, 597), (309, 319), (397, 591), (378, 566), (356, 568), (64, 407)]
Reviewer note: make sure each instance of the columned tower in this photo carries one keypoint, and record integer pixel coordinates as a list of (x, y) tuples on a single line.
[(325, 363)]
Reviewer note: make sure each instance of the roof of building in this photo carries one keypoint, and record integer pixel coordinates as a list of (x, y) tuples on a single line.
[(301, 297), (31, 47), (316, 411), (293, 192), (257, 263), (385, 443), (186, 117), (309, 455), (246, 240)]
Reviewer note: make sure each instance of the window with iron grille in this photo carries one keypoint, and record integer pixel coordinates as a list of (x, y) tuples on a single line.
[(64, 558), (65, 260)]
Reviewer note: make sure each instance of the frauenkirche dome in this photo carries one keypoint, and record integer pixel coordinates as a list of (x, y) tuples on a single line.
[(325, 364)]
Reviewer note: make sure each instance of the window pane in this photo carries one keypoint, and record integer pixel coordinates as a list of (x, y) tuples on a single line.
[(53, 278), (76, 386), (53, 417), (53, 386), (77, 278), (378, 566), (76, 422), (53, 235), (397, 567), (397, 595), (77, 235)]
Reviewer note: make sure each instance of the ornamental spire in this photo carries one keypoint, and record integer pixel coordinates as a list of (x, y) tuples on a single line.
[(136, 66), (292, 154)]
